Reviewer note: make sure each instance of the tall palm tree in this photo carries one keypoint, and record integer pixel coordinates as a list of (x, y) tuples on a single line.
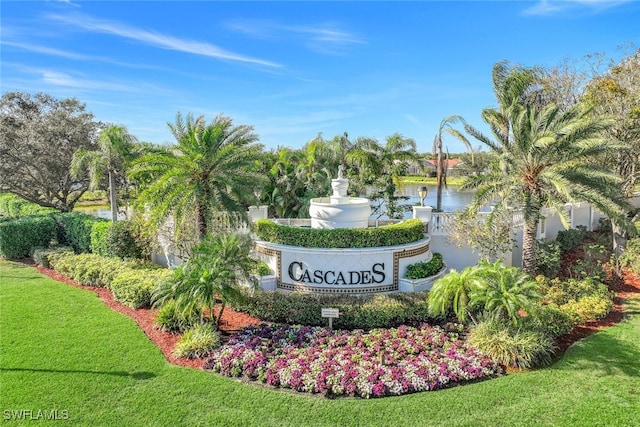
[(209, 169), (547, 156), (446, 126), (115, 147)]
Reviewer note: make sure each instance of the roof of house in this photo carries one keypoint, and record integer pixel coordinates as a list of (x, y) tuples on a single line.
[(449, 163)]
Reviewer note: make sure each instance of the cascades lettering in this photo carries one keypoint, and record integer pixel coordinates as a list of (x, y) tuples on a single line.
[(299, 273)]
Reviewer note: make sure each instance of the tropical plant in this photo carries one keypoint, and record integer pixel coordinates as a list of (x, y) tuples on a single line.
[(452, 292), (505, 293), (381, 165), (547, 157), (115, 147), (209, 169), (216, 270)]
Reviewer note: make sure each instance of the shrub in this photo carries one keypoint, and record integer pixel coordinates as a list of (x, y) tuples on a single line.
[(122, 241), (562, 291), (92, 269), (424, 269), (571, 238), (18, 238), (550, 320), (42, 256), (405, 232), (356, 312), (74, 229), (587, 308), (133, 287), (511, 347), (630, 258), (197, 342), (548, 258), (262, 269), (170, 319), (99, 237)]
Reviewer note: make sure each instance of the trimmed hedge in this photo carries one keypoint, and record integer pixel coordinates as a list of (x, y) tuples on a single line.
[(133, 287), (74, 229), (45, 256), (405, 232), (99, 237), (356, 312), (18, 238), (116, 239), (93, 269)]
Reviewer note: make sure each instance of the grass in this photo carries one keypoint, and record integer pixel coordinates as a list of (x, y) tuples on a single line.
[(62, 348), (415, 179)]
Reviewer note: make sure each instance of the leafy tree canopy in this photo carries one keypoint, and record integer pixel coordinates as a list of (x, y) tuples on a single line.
[(38, 137)]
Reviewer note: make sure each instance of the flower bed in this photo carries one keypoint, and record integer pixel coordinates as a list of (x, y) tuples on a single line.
[(382, 362)]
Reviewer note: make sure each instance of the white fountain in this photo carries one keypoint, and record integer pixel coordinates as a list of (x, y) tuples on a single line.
[(339, 210)]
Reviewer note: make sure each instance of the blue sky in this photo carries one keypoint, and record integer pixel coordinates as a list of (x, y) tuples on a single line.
[(294, 69)]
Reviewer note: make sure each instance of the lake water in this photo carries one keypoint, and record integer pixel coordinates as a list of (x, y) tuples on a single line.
[(452, 199)]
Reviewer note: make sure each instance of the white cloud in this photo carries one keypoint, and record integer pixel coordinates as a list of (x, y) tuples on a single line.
[(157, 39), (549, 7), (324, 37)]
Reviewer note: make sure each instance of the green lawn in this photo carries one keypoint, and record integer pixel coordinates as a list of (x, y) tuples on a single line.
[(62, 348), (415, 180)]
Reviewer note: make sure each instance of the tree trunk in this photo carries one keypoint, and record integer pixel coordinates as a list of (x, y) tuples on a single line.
[(619, 242), (113, 196), (529, 242), (439, 176), (202, 222)]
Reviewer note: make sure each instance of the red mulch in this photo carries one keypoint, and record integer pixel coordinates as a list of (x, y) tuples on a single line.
[(231, 320)]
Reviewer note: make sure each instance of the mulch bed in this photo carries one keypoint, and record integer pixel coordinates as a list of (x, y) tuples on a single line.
[(232, 321)]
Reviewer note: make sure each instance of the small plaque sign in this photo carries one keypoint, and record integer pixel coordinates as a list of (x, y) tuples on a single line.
[(332, 313)]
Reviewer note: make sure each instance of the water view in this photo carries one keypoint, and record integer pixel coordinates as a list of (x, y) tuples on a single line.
[(452, 200)]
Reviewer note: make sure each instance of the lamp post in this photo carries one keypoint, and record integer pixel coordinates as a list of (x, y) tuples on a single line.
[(422, 192)]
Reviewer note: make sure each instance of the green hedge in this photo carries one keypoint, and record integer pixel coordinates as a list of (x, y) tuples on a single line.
[(12, 206), (98, 237), (45, 256), (19, 237), (356, 312), (74, 229), (93, 269), (116, 239), (421, 270), (133, 287), (396, 234)]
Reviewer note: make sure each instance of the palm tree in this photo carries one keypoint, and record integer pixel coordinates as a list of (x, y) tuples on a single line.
[(441, 160), (214, 272), (453, 292), (547, 157), (385, 164), (211, 168), (115, 147), (504, 291)]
